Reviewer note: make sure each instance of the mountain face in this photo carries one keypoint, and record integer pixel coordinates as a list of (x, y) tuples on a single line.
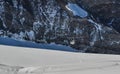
[(86, 25)]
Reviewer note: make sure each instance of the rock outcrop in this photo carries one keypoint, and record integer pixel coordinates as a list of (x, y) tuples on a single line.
[(48, 21), (106, 12)]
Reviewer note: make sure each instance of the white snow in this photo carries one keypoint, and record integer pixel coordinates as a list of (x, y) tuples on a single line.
[(78, 31), (72, 42), (31, 34), (15, 36), (76, 10), (115, 42), (98, 26), (36, 25), (1, 32), (1, 7), (21, 35), (22, 20), (17, 60), (15, 3), (96, 33)]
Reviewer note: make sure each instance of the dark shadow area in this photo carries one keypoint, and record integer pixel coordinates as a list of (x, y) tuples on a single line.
[(12, 42)]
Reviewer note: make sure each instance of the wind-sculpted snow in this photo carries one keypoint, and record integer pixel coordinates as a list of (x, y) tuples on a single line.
[(56, 69), (6, 69), (66, 68)]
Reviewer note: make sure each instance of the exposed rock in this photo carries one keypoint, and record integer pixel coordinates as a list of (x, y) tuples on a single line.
[(104, 11), (47, 21)]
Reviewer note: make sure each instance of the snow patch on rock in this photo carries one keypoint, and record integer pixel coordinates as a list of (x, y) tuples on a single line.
[(76, 10)]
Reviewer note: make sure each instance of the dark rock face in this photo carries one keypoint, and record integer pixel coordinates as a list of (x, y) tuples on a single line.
[(106, 12), (47, 21)]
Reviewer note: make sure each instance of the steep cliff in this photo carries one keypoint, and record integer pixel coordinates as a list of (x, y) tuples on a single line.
[(86, 25)]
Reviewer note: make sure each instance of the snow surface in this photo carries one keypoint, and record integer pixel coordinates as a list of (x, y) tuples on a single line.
[(52, 46), (77, 10), (17, 60)]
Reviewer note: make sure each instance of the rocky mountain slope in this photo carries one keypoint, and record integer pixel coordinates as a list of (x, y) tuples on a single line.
[(86, 25)]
